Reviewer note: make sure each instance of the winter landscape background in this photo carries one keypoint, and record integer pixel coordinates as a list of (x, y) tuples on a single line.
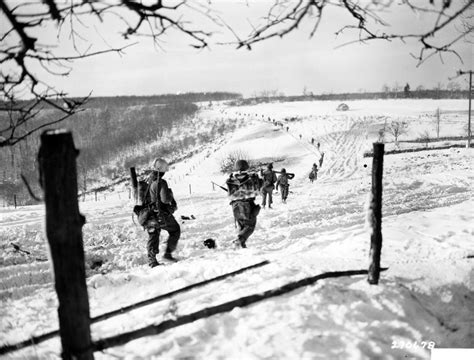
[(426, 295), (202, 83)]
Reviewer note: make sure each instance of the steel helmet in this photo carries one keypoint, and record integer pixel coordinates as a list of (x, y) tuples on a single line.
[(283, 171), (160, 165), (241, 165)]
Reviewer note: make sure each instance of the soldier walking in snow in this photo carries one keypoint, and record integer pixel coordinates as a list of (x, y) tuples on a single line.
[(269, 179), (313, 175), (282, 182), (164, 205), (243, 188)]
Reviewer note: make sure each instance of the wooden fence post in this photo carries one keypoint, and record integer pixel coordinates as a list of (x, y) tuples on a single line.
[(57, 160), (134, 182), (95, 195), (14, 200), (189, 189), (376, 215)]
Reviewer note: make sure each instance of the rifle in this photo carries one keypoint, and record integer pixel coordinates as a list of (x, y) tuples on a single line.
[(223, 188), (290, 175)]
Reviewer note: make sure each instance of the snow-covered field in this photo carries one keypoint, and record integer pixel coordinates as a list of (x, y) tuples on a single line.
[(425, 296)]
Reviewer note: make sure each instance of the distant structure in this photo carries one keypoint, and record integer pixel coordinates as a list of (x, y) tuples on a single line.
[(342, 107)]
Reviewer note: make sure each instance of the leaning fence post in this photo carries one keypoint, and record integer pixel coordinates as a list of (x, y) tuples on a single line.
[(375, 215), (57, 161), (134, 181)]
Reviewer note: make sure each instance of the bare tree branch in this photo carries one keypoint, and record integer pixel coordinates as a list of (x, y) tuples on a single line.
[(19, 50), (285, 16), (24, 94)]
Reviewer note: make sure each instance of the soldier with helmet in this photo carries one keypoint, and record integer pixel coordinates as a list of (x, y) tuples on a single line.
[(269, 180), (243, 187), (283, 183), (313, 175), (164, 205)]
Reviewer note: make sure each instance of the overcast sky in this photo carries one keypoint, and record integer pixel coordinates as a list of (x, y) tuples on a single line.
[(288, 65)]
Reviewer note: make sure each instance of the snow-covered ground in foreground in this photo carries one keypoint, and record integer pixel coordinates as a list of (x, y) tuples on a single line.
[(426, 295)]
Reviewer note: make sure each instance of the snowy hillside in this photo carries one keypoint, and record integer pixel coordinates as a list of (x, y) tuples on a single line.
[(425, 296)]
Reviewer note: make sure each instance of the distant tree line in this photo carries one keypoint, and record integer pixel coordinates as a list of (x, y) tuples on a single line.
[(101, 102), (389, 94)]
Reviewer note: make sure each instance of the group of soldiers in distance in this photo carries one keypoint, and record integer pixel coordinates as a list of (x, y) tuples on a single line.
[(243, 187)]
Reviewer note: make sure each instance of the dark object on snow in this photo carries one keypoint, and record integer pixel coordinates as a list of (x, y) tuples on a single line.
[(17, 248), (184, 217), (97, 264), (342, 107), (210, 243)]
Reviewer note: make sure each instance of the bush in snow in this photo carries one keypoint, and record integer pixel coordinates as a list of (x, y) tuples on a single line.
[(397, 128), (228, 161), (425, 137)]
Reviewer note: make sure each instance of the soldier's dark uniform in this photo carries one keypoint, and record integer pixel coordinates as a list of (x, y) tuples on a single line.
[(282, 182), (243, 188), (164, 206), (269, 179), (313, 175)]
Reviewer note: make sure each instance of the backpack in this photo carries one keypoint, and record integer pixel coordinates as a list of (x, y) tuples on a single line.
[(268, 178), (143, 190), (244, 185), (144, 209)]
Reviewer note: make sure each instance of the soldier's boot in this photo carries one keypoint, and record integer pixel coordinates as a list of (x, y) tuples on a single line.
[(169, 258), (239, 243)]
